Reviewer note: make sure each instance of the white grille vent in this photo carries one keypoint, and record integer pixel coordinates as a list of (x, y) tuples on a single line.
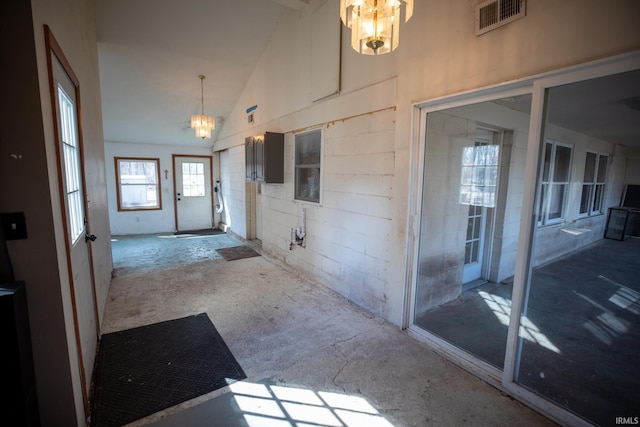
[(496, 13)]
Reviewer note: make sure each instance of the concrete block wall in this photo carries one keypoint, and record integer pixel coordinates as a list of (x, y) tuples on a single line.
[(444, 219), (347, 241), (280, 86)]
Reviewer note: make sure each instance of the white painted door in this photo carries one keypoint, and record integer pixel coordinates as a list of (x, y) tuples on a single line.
[(74, 204), (193, 190), (478, 184), (474, 244)]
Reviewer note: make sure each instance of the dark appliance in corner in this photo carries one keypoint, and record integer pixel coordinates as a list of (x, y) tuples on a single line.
[(18, 400)]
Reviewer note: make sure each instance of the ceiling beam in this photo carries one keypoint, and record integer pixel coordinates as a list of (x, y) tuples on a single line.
[(293, 4)]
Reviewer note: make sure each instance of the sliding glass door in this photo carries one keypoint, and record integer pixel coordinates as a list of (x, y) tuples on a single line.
[(511, 272), (583, 293), (468, 231)]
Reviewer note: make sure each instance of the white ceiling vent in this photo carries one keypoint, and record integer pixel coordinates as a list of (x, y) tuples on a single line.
[(496, 13)]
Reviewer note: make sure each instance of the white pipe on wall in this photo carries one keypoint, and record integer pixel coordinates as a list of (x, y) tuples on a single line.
[(298, 233)]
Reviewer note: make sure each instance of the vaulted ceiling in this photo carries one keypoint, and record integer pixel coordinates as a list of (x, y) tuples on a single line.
[(151, 53)]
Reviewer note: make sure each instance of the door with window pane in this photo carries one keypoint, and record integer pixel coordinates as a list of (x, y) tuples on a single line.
[(474, 244), (478, 183), (74, 204), (193, 196)]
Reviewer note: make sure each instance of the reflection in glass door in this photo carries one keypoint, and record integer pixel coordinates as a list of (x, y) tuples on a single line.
[(467, 232), (474, 244), (568, 343), (580, 323), (478, 184)]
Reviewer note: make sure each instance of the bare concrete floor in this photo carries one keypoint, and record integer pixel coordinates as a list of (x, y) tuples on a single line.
[(311, 357)]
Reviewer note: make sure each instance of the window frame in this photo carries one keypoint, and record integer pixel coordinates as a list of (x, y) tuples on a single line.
[(593, 185), (545, 197), (158, 184), (71, 152), (297, 167)]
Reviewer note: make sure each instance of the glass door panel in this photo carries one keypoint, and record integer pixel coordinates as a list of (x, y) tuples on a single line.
[(579, 335), (472, 187)]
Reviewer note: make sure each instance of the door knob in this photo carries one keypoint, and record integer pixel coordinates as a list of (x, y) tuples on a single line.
[(92, 237)]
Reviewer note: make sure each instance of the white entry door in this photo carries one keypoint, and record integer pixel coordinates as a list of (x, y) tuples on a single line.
[(474, 244), (193, 192), (478, 185), (74, 203)]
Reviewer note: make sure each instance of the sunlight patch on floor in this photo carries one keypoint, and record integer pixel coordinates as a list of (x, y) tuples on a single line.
[(625, 297), (501, 307), (276, 406), (606, 326)]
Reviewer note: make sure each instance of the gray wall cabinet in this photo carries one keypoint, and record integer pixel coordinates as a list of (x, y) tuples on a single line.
[(264, 158)]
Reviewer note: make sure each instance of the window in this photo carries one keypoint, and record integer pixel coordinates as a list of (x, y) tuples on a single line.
[(595, 172), (307, 166), (193, 179), (554, 183), (479, 174), (137, 184), (71, 153)]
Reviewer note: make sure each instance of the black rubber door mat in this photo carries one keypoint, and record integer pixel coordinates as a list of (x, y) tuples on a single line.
[(144, 370), (237, 252)]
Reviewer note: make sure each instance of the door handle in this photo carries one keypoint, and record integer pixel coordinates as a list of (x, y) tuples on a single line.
[(92, 238), (178, 196)]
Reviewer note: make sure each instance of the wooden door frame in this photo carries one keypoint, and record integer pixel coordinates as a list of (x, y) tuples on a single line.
[(53, 48)]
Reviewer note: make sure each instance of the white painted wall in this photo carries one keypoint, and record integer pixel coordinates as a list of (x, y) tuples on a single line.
[(30, 185), (152, 221), (232, 179), (74, 28), (439, 55), (633, 171)]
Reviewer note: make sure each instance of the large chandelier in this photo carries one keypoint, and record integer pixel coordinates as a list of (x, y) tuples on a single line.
[(375, 24), (201, 123)]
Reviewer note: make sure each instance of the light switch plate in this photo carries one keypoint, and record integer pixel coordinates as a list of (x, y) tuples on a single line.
[(14, 225)]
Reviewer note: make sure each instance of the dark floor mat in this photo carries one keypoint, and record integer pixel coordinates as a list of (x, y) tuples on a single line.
[(205, 232), (237, 252), (144, 370)]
